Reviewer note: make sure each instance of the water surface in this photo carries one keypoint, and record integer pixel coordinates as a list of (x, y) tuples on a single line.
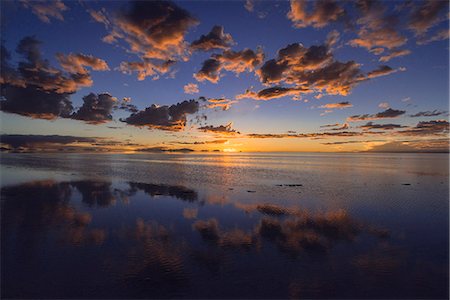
[(224, 226)]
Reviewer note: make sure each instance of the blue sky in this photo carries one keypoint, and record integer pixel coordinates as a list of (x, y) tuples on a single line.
[(418, 81)]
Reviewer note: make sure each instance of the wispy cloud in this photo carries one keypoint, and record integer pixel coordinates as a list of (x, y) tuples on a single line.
[(46, 9), (388, 113)]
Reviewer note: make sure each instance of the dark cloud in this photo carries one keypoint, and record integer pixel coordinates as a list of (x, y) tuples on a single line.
[(146, 68), (426, 15), (172, 118), (425, 146), (383, 71), (311, 69), (313, 135), (371, 125), (29, 141), (379, 30), (46, 9), (201, 143), (164, 149), (232, 61), (221, 129), (341, 105), (341, 127), (270, 93), (38, 90), (330, 125), (435, 127), (433, 113), (323, 13), (351, 142), (216, 39), (126, 105), (210, 71), (96, 109), (57, 143), (388, 113), (153, 30)]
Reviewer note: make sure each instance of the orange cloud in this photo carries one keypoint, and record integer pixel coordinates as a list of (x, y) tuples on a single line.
[(221, 129), (340, 105), (322, 14), (232, 61), (191, 88), (45, 10)]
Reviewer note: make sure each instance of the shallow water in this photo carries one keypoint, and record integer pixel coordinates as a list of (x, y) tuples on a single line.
[(224, 225)]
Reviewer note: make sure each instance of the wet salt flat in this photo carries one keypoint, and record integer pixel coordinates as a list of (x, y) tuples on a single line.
[(224, 226)]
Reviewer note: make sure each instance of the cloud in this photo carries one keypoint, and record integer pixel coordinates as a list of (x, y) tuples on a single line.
[(435, 127), (311, 69), (163, 149), (384, 105), (201, 143), (172, 118), (191, 88), (313, 135), (215, 39), (383, 71), (435, 145), (249, 5), (371, 125), (394, 53), (433, 113), (427, 15), (441, 35), (146, 68), (209, 71), (330, 125), (322, 14), (388, 113), (378, 31), (45, 10), (270, 93), (76, 63), (340, 105), (221, 129), (222, 103), (30, 141), (351, 142), (232, 61), (38, 90), (96, 109), (126, 105), (341, 127), (153, 30), (22, 89), (37, 71)]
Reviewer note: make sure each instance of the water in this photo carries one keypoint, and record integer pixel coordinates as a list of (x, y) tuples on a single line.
[(224, 225)]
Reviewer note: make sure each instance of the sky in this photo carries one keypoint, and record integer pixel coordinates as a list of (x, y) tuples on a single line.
[(228, 76)]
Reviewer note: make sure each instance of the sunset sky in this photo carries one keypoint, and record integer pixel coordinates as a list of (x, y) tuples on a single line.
[(232, 75)]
